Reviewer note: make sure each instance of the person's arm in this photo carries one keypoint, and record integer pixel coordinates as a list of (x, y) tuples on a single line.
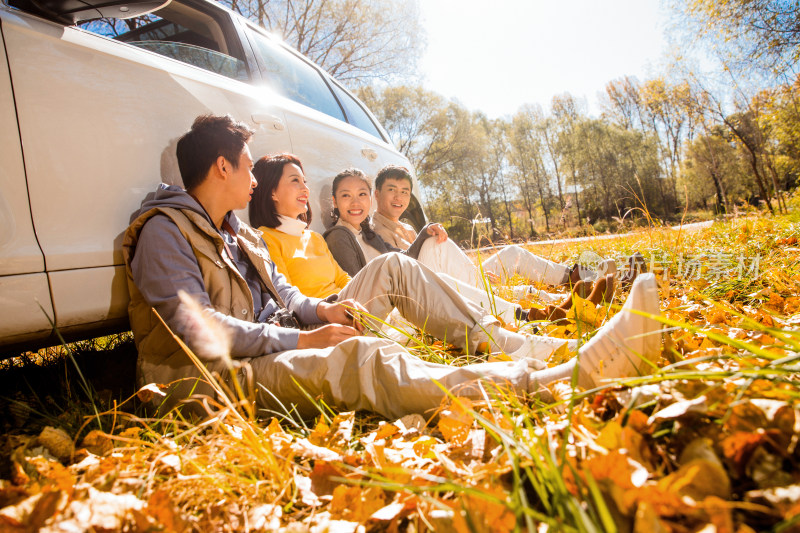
[(342, 278), (345, 250), (164, 264), (416, 246)]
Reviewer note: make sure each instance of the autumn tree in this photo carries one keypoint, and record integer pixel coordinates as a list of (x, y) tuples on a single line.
[(423, 126), (714, 167), (750, 33), (354, 40), (780, 117), (528, 138), (567, 113)]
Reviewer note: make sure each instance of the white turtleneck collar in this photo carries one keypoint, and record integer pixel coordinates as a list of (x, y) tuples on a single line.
[(291, 226), (356, 230)]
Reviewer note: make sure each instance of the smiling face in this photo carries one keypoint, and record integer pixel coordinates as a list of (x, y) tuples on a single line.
[(353, 200), (242, 180), (393, 197), (291, 194)]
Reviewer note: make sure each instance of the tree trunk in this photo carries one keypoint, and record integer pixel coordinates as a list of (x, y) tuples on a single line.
[(510, 219), (722, 205), (760, 180), (778, 194)]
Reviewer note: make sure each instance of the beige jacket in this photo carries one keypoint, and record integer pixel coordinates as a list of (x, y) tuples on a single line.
[(161, 359)]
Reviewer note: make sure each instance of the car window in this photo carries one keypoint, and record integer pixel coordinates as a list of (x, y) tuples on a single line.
[(355, 113), (290, 76), (179, 33)]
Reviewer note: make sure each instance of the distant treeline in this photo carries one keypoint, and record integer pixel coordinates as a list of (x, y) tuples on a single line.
[(657, 149)]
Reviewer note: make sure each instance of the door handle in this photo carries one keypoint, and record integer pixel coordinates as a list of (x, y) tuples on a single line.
[(369, 153), (271, 121)]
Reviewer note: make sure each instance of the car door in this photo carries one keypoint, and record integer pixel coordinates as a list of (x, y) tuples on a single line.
[(23, 283), (99, 121), (321, 137)]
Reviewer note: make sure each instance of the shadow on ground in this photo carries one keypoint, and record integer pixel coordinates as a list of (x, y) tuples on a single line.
[(53, 388)]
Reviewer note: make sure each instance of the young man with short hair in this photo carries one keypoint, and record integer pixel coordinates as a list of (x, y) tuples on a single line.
[(191, 241), (392, 195)]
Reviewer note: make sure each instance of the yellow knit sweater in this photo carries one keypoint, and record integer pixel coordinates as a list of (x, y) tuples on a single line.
[(306, 262)]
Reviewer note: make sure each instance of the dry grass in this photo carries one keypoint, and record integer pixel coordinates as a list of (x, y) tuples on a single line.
[(708, 442)]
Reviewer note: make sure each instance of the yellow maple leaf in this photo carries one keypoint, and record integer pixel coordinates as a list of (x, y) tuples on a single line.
[(356, 504)]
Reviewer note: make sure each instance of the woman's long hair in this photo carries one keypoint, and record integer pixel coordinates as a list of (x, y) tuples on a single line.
[(268, 171), (366, 225)]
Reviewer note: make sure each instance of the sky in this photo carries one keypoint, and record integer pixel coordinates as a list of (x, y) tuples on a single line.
[(495, 55)]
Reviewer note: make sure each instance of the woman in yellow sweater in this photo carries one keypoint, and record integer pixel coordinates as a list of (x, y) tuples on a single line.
[(299, 253)]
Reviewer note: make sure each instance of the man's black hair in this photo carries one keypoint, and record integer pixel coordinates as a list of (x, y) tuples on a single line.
[(211, 136)]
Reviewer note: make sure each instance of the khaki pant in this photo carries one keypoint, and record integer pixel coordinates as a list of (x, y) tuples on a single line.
[(449, 259), (376, 375), (379, 375)]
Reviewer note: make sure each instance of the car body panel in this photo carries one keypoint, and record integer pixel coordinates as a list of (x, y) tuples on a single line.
[(19, 251), (20, 299), (92, 125), (96, 177), (78, 306)]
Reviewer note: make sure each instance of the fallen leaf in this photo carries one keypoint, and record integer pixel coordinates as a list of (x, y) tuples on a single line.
[(356, 504), (646, 520), (389, 512), (57, 442), (35, 510), (698, 479), (410, 424), (679, 409), (321, 482), (738, 448), (97, 442), (161, 508), (53, 472), (307, 495), (455, 423), (265, 517), (304, 448), (150, 391)]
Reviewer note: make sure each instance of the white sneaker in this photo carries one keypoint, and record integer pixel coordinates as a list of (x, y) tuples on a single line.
[(623, 346), (536, 349)]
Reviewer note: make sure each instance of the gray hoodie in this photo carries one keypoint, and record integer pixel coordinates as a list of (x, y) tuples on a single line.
[(164, 263)]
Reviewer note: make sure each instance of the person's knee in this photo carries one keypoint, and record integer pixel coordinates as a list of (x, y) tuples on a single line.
[(510, 253), (387, 260), (428, 246), (398, 260)]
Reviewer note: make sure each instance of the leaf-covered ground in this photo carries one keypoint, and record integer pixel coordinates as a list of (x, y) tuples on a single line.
[(708, 442)]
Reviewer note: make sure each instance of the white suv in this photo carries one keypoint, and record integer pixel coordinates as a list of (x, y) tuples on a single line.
[(89, 124)]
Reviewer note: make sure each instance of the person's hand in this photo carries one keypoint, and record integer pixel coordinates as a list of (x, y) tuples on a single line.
[(325, 336), (345, 312), (438, 231)]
